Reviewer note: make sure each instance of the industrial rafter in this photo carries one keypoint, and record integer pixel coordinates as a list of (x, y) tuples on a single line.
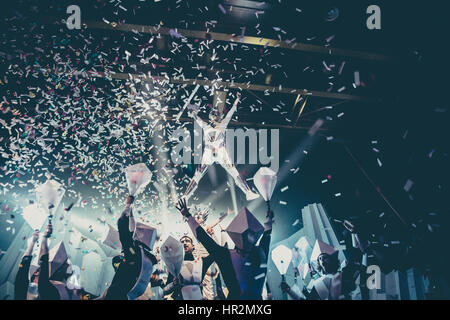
[(257, 41)]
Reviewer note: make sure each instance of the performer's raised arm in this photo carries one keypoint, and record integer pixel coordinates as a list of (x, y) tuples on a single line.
[(210, 245), (230, 113), (200, 122)]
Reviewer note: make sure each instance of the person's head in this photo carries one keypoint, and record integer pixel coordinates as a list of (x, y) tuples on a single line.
[(187, 243), (215, 116), (324, 258), (328, 263)]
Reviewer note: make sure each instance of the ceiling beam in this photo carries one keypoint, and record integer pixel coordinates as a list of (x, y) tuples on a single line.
[(257, 125), (236, 85), (257, 41)]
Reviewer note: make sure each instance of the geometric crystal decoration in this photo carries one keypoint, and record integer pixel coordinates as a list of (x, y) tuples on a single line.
[(282, 257), (49, 195), (301, 254), (138, 176), (265, 180), (111, 238), (320, 248), (56, 257), (145, 234), (172, 253), (244, 227), (302, 249), (303, 269)]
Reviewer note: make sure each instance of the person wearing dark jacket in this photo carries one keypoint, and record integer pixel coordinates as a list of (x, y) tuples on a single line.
[(131, 265), (22, 281), (54, 271), (243, 268)]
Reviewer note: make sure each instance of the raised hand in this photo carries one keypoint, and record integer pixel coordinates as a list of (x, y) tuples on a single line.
[(238, 98), (130, 200), (285, 287), (35, 236), (48, 232), (182, 207)]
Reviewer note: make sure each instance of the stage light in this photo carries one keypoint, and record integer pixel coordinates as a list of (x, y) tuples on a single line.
[(332, 14)]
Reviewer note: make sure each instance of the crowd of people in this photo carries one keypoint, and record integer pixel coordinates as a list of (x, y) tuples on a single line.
[(210, 269)]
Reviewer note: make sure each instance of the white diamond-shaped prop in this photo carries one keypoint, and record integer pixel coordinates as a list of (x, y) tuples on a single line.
[(172, 253), (35, 216), (138, 177), (282, 257), (301, 253), (49, 195), (265, 180)]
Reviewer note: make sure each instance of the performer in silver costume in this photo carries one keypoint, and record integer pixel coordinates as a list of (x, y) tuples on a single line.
[(216, 152)]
